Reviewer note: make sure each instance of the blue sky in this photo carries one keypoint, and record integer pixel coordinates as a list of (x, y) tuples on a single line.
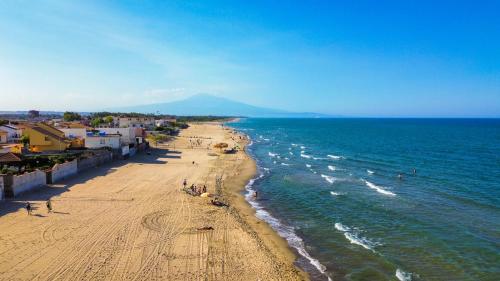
[(353, 58)]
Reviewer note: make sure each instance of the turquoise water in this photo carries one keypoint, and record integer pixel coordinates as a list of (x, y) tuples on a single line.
[(331, 187)]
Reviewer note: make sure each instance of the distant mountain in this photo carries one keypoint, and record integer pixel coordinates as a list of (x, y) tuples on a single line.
[(204, 104)]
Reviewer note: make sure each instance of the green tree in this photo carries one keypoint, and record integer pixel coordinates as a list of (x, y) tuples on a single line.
[(25, 140), (95, 122), (108, 119), (69, 116)]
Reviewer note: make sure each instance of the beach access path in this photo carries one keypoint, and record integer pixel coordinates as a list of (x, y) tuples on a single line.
[(130, 220)]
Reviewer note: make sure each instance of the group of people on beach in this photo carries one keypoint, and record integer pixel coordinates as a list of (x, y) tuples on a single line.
[(29, 207), (198, 142), (194, 189), (199, 190)]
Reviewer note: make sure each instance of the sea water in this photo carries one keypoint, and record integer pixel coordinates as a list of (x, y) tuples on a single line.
[(381, 199)]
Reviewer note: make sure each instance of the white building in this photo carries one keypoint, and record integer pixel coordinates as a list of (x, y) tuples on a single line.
[(127, 134), (140, 122), (13, 132), (164, 122), (74, 132), (99, 141)]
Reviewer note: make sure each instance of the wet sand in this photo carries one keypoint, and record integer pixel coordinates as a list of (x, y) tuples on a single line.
[(130, 220)]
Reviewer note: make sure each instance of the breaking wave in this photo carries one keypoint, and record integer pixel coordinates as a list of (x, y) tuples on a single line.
[(355, 238), (284, 231), (379, 189), (335, 157), (328, 178), (403, 276), (305, 156)]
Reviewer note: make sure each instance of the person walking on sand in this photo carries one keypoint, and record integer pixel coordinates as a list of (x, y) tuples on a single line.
[(184, 183), (28, 208), (49, 206)]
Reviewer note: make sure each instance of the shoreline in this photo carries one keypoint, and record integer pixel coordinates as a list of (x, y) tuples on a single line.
[(131, 219), (284, 235), (235, 188)]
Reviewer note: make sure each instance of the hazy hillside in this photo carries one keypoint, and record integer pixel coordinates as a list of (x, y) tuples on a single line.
[(204, 104)]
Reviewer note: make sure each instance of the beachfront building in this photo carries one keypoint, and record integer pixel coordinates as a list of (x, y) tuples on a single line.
[(43, 137), (103, 140), (165, 122), (74, 132), (127, 135), (3, 136), (139, 122), (13, 132)]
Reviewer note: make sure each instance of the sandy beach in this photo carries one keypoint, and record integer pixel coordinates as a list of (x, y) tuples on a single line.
[(131, 220)]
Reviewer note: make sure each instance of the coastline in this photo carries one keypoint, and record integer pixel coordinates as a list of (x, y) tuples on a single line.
[(283, 238), (131, 219), (272, 241)]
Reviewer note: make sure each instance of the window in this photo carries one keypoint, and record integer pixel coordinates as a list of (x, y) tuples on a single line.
[(46, 138), (102, 141)]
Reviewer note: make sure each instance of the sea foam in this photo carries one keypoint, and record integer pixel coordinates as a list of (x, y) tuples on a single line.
[(328, 178), (272, 154), (335, 157), (379, 189), (354, 237), (284, 231), (305, 156), (403, 276), (332, 168), (341, 227)]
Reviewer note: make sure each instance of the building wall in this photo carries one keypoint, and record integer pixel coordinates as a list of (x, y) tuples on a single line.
[(2, 196), (27, 182), (136, 122), (127, 134), (65, 170), (11, 133), (74, 132), (132, 151), (102, 141), (94, 161), (3, 137), (125, 150)]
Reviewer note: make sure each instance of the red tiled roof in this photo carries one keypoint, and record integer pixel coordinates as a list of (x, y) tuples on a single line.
[(9, 157)]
